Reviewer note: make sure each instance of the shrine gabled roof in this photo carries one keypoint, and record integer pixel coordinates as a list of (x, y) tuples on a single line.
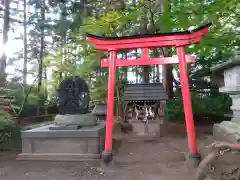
[(145, 92), (149, 35)]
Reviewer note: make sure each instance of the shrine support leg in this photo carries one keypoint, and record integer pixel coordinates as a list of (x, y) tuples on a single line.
[(107, 154), (194, 156)]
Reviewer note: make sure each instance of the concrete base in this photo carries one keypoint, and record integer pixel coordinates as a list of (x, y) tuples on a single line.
[(149, 129), (107, 157), (228, 131), (193, 160), (86, 143)]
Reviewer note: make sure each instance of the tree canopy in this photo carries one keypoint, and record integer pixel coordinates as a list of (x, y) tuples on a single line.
[(52, 37)]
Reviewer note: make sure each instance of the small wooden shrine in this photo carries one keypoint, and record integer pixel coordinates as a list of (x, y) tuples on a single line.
[(144, 107)]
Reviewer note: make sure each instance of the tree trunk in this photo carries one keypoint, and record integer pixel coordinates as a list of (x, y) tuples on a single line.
[(125, 69), (143, 30), (169, 80), (62, 43), (3, 56), (25, 44), (136, 70), (63, 40), (41, 56), (134, 3), (167, 69), (154, 73), (146, 74), (40, 70), (157, 73)]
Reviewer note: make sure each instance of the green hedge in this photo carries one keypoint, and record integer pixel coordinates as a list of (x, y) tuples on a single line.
[(209, 103), (10, 135)]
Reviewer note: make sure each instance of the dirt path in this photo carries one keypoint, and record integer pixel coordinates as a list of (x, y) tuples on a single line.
[(162, 160)]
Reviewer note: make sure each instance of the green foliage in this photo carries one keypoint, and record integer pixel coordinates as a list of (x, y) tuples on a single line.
[(24, 99), (98, 93), (10, 135), (203, 104), (223, 36), (68, 53), (87, 66)]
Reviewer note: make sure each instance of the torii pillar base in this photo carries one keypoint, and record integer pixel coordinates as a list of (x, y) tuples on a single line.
[(193, 160), (107, 157)]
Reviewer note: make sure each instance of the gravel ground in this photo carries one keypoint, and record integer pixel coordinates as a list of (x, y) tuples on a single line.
[(161, 160)]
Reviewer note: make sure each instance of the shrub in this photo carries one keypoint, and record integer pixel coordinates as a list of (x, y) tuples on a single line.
[(10, 136), (203, 105)]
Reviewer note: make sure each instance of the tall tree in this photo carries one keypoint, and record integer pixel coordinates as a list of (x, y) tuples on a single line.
[(41, 55), (164, 10), (25, 42), (3, 58)]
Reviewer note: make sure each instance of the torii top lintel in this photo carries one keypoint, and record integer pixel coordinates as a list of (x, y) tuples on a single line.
[(173, 39)]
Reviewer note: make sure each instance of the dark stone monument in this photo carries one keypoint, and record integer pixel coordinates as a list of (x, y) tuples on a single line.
[(73, 96), (75, 135)]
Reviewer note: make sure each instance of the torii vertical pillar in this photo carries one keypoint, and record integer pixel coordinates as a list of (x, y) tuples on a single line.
[(192, 142), (107, 154)]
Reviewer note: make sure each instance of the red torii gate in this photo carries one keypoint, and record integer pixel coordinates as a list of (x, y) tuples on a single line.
[(176, 39)]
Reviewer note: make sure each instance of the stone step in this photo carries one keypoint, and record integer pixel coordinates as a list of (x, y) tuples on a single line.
[(58, 157)]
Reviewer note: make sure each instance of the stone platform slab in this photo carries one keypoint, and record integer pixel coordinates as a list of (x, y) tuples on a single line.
[(86, 143), (70, 127), (228, 131)]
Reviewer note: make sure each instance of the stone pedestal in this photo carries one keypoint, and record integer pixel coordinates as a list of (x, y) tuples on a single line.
[(229, 130), (151, 128), (74, 136), (148, 129), (86, 143)]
